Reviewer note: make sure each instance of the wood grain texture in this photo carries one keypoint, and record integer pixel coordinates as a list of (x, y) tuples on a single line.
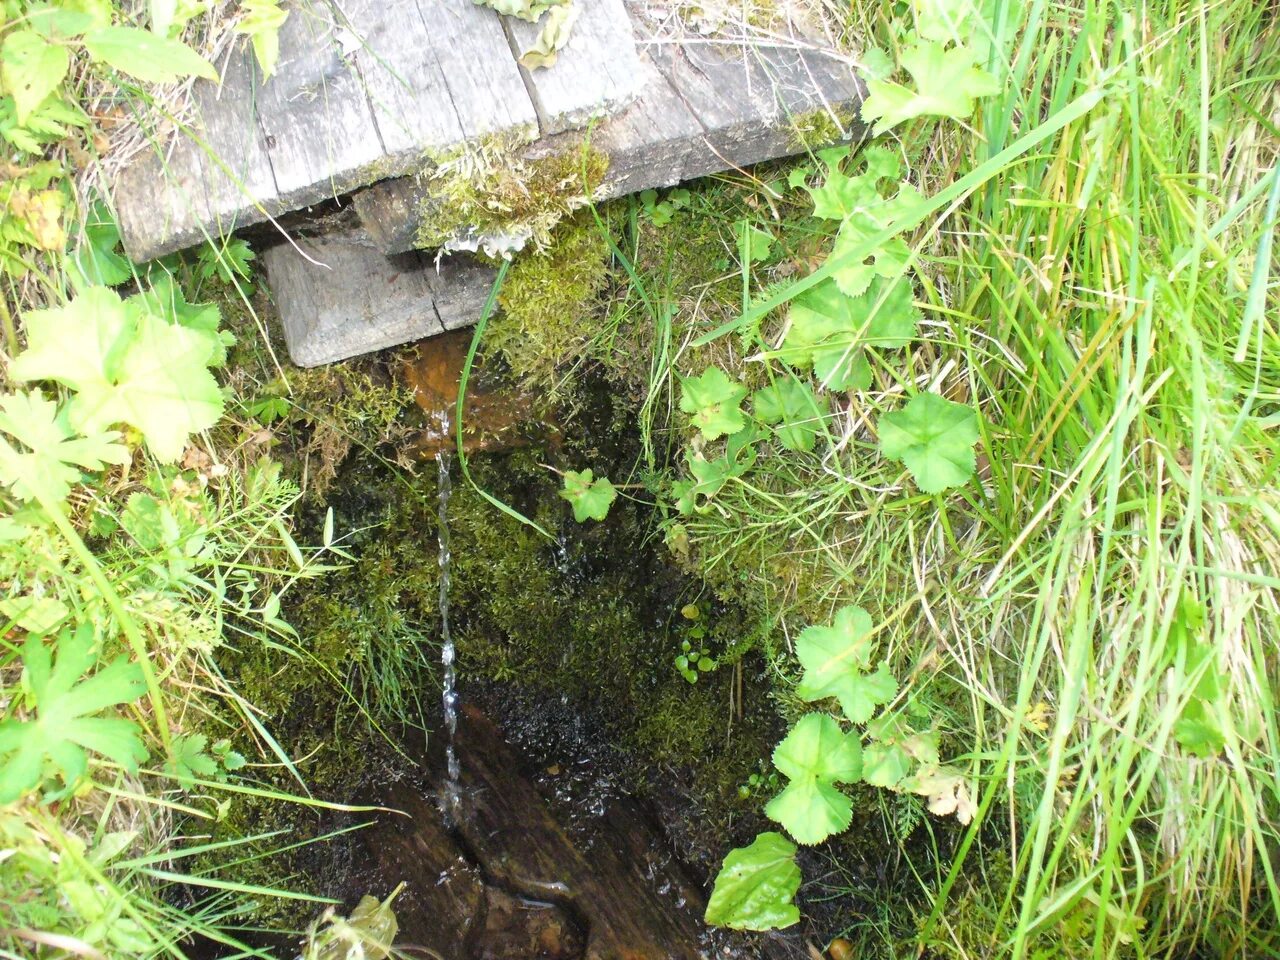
[(596, 74), (364, 89), (339, 297)]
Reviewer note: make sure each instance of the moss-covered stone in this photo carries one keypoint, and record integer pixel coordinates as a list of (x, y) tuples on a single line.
[(489, 196)]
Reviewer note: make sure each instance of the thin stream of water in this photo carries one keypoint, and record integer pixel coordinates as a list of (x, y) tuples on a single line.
[(449, 696)]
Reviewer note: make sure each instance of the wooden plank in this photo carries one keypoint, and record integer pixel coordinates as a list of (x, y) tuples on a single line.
[(338, 296), (364, 89), (315, 118), (596, 74), (702, 108)]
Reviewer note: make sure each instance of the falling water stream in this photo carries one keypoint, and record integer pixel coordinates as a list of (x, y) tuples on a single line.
[(448, 654)]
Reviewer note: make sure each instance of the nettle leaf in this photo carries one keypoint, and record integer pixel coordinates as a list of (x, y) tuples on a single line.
[(127, 365), (590, 498), (756, 885), (65, 724), (31, 68), (795, 409), (835, 659), (830, 330), (49, 453), (714, 403), (934, 438), (946, 83), (147, 56), (815, 756)]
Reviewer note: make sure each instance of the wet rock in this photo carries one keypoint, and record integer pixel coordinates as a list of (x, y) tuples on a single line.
[(514, 927), (625, 889), (496, 415)]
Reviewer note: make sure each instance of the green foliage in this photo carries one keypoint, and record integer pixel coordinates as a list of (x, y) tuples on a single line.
[(830, 331), (194, 758), (261, 23), (126, 365), (934, 438), (710, 476), (795, 409), (814, 757), (46, 468), (146, 56), (31, 68), (660, 212), (755, 886), (836, 658), (66, 723), (97, 260), (714, 403), (590, 498), (947, 80)]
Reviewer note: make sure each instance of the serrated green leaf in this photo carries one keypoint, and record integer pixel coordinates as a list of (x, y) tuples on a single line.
[(815, 756), (590, 498), (146, 56), (795, 409), (830, 330), (97, 260), (65, 724), (45, 461), (31, 68), (885, 764), (934, 438), (127, 366), (835, 659), (714, 403), (756, 886), (947, 80)]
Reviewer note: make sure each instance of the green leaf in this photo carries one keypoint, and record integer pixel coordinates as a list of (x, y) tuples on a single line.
[(946, 83), (590, 498), (146, 56), (755, 243), (840, 194), (714, 403), (65, 725), (48, 464), (164, 298), (934, 439), (188, 761), (835, 659), (31, 68), (885, 764), (261, 21), (127, 366), (756, 885), (830, 330), (815, 756), (95, 260), (793, 406)]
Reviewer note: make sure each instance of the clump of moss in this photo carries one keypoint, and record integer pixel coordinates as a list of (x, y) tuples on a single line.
[(821, 127), (548, 304), (491, 197)]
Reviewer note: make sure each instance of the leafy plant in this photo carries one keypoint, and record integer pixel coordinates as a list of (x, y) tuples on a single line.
[(814, 757), (66, 724), (795, 410), (261, 23), (934, 439), (661, 211), (591, 497), (714, 403), (836, 659), (126, 365), (194, 758), (44, 463), (947, 81), (756, 885)]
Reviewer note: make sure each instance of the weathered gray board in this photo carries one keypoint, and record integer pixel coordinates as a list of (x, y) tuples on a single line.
[(339, 297), (702, 108), (364, 90)]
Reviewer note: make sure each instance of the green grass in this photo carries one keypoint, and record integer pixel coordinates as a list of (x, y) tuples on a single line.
[(1095, 263)]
